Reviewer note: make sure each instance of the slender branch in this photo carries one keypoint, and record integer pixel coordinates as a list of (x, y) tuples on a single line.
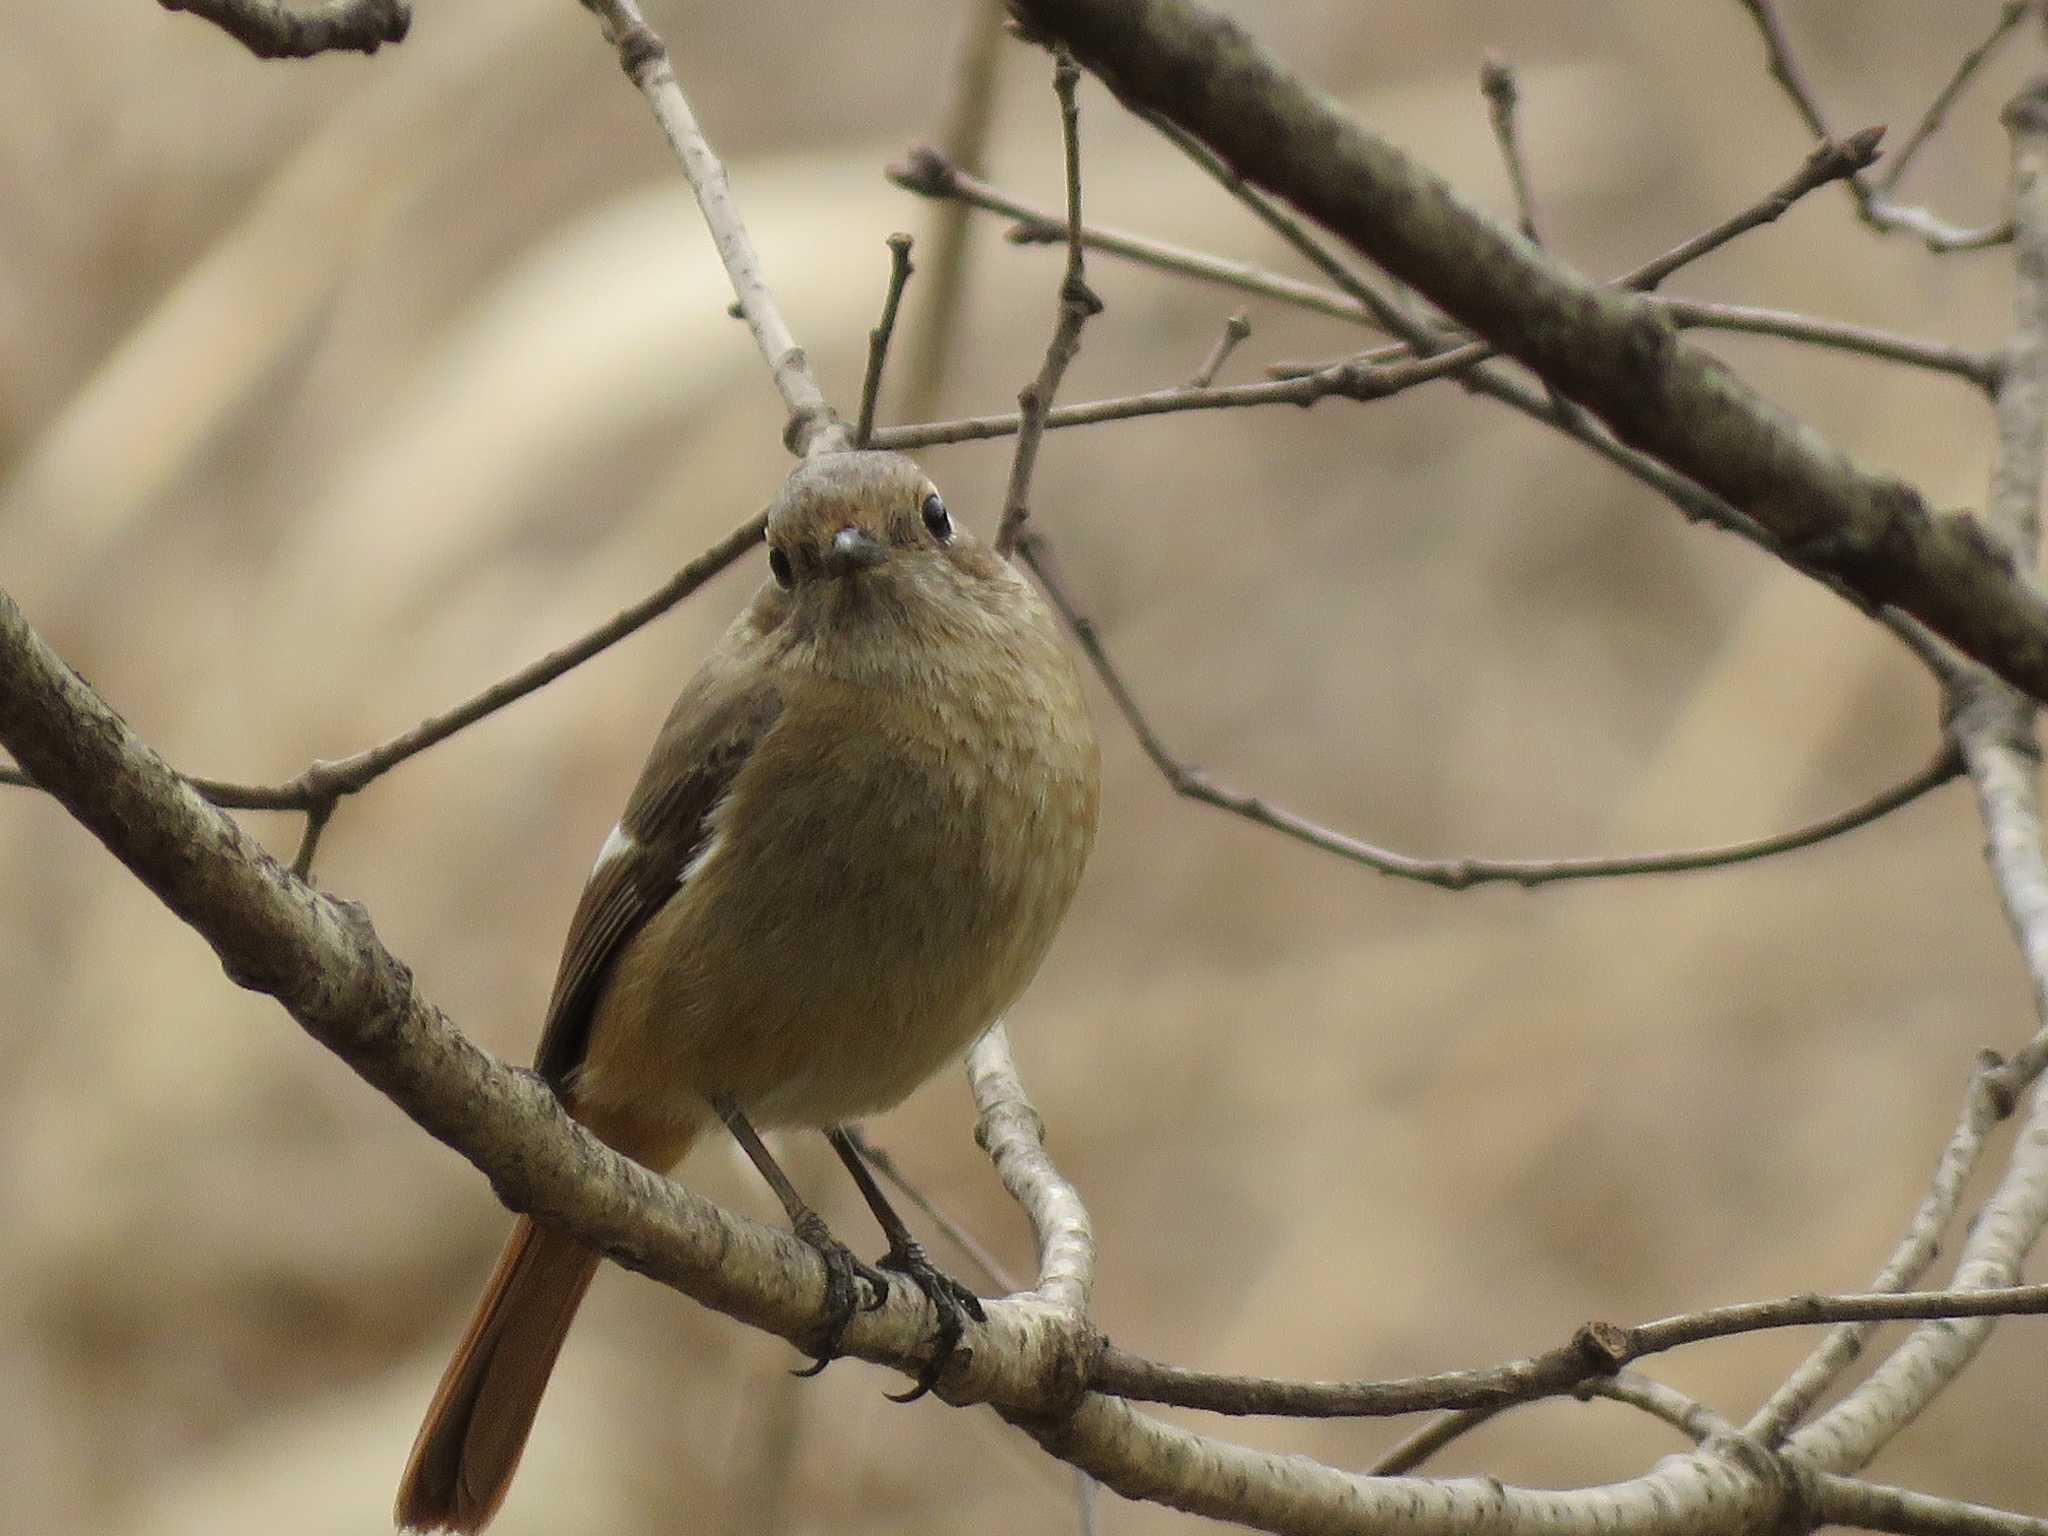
[(878, 338), (1874, 1507), (329, 780), (276, 29), (1992, 1096), (1465, 873), (1386, 310), (1596, 1349), (1872, 205), (1497, 84), (812, 427), (1978, 368), (1077, 304), (1235, 330), (1993, 727), (930, 174), (927, 173), (1413, 1449), (1690, 1417), (1012, 1132), (2010, 15), (1829, 162), (1608, 351)]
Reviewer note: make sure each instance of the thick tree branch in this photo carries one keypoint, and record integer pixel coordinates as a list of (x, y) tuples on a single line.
[(276, 29), (320, 958), (1609, 351)]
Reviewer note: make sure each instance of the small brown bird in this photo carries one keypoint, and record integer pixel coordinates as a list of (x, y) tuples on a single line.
[(847, 854)]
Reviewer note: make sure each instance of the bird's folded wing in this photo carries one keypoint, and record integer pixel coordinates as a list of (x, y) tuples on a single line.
[(709, 736)]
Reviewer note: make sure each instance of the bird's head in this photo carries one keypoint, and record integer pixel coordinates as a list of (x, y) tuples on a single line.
[(861, 544)]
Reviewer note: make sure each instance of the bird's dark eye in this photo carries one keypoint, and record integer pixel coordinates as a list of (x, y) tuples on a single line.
[(778, 567), (937, 518)]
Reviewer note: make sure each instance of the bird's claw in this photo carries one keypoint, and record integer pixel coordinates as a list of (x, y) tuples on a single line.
[(952, 1301), (845, 1278)]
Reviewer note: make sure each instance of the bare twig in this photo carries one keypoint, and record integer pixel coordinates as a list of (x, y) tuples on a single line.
[(2010, 15), (1690, 1417), (878, 338), (1874, 1507), (330, 780), (1992, 1097), (812, 427), (318, 814), (1872, 205), (1993, 727), (1497, 85), (1596, 1349), (277, 29), (1387, 310), (1077, 304), (1831, 161), (1607, 351), (928, 174), (1012, 1133), (1235, 330), (1455, 874), (1413, 1449), (1978, 368)]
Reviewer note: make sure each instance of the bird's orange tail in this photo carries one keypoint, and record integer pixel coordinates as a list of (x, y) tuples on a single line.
[(469, 1446)]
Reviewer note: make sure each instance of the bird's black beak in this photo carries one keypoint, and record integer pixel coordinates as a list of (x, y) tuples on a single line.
[(854, 549)]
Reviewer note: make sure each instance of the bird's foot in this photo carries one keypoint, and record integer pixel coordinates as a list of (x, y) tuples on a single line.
[(953, 1302), (845, 1277)]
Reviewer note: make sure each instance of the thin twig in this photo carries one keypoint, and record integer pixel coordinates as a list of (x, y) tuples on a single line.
[(878, 338), (928, 174), (1978, 368), (318, 814), (1872, 206), (1455, 874), (1992, 1096), (1831, 161), (1993, 727), (1388, 312), (1497, 85), (1235, 330), (812, 426), (1690, 1417), (329, 780), (1596, 1349), (1418, 1446), (1865, 1506), (2010, 15), (1085, 1490), (274, 29), (1077, 304)]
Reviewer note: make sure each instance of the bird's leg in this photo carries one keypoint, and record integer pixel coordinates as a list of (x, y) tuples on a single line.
[(949, 1298), (844, 1274)]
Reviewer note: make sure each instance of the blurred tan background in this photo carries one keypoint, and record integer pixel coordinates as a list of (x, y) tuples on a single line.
[(333, 391)]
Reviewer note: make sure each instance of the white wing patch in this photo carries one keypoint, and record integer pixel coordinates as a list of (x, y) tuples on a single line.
[(616, 846), (704, 856)]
